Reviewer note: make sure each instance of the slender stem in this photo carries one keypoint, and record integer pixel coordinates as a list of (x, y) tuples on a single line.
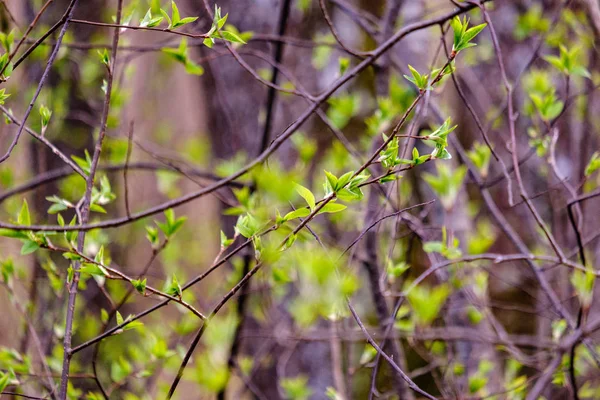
[(84, 210)]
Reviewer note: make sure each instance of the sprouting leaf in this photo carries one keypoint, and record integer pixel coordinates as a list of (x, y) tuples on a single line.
[(23, 218), (119, 318), (344, 63), (332, 208), (174, 289), (472, 32), (462, 35), (93, 269), (193, 68), (290, 240), (419, 80), (332, 180), (139, 285), (299, 213), (185, 21), (3, 381), (149, 21), (232, 37), (171, 224), (175, 17), (104, 57), (166, 16), (176, 20), (306, 195), (427, 302), (29, 246), (593, 165), (3, 95)]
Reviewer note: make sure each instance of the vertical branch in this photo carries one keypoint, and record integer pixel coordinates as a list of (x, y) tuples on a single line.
[(126, 169), (83, 209)]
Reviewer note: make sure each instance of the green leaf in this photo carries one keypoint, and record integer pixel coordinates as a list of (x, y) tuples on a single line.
[(132, 324), (150, 22), (333, 181), (221, 22), (344, 179), (139, 285), (175, 17), (344, 64), (3, 95), (3, 381), (12, 233), (171, 225), (231, 37), (472, 32), (419, 80), (55, 208), (457, 28), (93, 269), (443, 154), (23, 218), (350, 194), (296, 388), (306, 195), (174, 289), (166, 16), (225, 242), (100, 256), (193, 68), (555, 61), (427, 302), (29, 246), (119, 318), (593, 165), (290, 240), (45, 112), (103, 316), (184, 21), (152, 235), (97, 208), (299, 213), (72, 256), (332, 208)]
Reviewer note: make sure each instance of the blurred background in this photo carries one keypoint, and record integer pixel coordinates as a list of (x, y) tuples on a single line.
[(184, 125)]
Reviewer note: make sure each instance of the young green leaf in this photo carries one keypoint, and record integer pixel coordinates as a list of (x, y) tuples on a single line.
[(231, 37), (306, 195), (139, 285), (299, 213), (332, 208), (23, 218), (29, 246), (150, 21), (174, 289)]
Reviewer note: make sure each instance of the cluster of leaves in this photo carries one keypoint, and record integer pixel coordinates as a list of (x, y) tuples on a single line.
[(389, 157), (346, 187), (6, 66), (449, 249), (174, 21), (463, 35), (216, 31)]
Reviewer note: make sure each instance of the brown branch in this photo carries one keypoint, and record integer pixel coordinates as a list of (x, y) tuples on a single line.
[(413, 386), (83, 208)]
